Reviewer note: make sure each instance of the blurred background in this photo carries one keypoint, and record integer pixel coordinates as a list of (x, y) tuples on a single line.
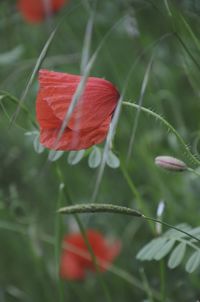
[(158, 41)]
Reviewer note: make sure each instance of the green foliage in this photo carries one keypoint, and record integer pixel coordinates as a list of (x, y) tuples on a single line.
[(175, 243), (75, 157), (116, 41), (94, 159)]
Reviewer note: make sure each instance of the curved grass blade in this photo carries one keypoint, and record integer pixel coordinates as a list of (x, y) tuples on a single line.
[(140, 102), (32, 77), (39, 62)]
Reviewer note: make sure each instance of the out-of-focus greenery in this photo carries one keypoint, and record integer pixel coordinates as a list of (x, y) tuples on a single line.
[(166, 32)]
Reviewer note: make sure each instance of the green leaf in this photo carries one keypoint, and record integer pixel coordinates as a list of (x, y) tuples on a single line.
[(112, 160), (31, 133), (164, 250), (176, 234), (195, 232), (177, 255), (12, 55), (55, 155), (94, 159), (193, 262), (149, 250), (37, 146), (75, 157)]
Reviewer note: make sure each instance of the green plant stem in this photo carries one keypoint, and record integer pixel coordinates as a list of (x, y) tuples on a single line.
[(58, 242), (171, 227), (82, 230), (186, 149), (16, 101), (187, 49), (138, 198), (193, 171), (162, 280), (146, 285)]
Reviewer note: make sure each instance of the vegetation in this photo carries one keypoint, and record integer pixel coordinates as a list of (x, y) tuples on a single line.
[(150, 50)]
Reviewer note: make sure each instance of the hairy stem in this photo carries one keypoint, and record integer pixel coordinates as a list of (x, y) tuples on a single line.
[(186, 149)]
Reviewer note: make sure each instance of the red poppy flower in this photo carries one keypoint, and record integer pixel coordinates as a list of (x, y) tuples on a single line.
[(36, 10), (76, 259), (90, 120)]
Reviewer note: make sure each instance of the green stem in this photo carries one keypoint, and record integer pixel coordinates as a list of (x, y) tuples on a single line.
[(171, 227), (162, 280), (187, 49), (146, 285), (188, 153), (193, 171), (135, 192), (83, 232), (58, 243), (17, 102)]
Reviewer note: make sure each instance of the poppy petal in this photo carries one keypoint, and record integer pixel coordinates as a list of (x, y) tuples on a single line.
[(35, 10), (70, 267), (45, 115), (99, 97), (74, 140)]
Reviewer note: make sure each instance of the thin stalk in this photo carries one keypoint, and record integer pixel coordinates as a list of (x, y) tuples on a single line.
[(57, 243), (6, 94), (171, 227), (187, 49), (138, 198), (192, 158), (83, 232), (146, 285), (162, 280), (193, 171)]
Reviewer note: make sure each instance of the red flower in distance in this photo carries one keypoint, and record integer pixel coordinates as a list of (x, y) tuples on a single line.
[(76, 259), (90, 120), (35, 11)]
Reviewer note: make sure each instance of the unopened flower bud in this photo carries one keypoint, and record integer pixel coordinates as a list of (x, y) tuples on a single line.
[(170, 163)]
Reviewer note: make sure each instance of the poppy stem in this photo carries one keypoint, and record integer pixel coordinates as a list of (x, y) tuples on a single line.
[(182, 143)]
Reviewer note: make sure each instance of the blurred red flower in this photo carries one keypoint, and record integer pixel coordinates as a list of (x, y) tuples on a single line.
[(76, 259), (35, 11), (90, 120)]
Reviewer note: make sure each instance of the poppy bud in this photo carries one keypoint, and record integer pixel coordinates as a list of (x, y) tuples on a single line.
[(170, 163)]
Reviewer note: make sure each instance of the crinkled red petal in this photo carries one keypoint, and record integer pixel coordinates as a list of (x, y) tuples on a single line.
[(98, 101), (44, 113), (74, 140)]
